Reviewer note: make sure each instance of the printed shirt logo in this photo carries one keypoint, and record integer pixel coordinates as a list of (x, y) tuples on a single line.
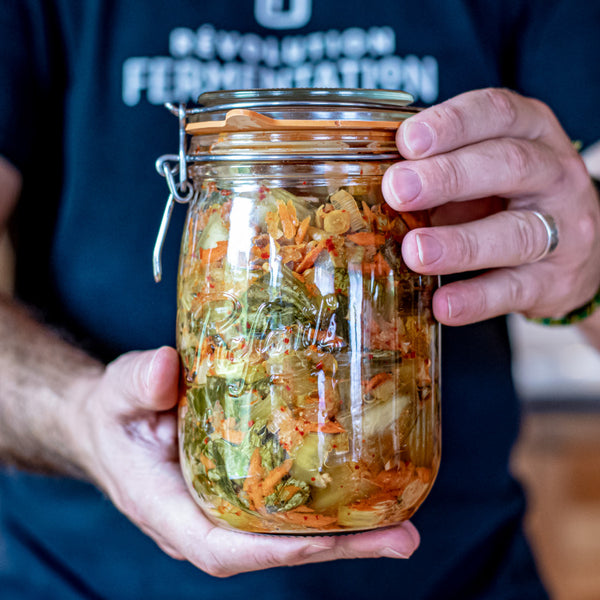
[(210, 59), (272, 15)]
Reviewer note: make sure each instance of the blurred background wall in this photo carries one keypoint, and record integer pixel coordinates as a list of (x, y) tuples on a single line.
[(558, 454)]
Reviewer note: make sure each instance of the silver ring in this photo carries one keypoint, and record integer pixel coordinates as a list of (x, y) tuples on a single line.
[(552, 232)]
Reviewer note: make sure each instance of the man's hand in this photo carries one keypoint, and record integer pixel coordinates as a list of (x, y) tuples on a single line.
[(128, 432), (483, 162)]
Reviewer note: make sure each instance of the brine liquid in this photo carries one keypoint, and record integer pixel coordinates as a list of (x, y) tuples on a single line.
[(309, 353)]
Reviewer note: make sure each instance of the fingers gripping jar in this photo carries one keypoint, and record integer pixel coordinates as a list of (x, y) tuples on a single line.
[(310, 357)]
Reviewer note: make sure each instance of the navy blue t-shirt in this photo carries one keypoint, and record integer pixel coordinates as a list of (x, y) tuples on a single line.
[(82, 83)]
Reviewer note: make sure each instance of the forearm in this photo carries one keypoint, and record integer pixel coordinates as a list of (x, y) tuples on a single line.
[(43, 381)]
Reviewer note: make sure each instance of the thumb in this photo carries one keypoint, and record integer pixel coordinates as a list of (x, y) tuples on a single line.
[(147, 380)]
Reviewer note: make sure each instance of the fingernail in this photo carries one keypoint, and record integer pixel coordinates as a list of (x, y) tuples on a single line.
[(455, 306), (391, 553), (149, 370), (428, 248), (417, 137), (405, 185)]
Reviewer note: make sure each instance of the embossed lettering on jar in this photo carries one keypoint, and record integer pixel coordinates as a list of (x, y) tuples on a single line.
[(310, 357)]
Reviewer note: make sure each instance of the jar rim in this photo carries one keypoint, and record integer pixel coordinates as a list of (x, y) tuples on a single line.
[(219, 100)]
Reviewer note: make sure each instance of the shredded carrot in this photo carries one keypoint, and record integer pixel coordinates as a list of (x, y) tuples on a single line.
[(211, 255), (275, 476), (303, 509), (302, 229), (299, 277), (424, 474), (379, 267), (272, 221), (377, 380), (394, 479), (233, 436), (289, 491), (374, 501), (289, 230), (313, 520), (366, 238), (255, 470), (326, 427), (253, 482), (412, 222), (369, 216), (311, 256), (292, 212), (207, 463)]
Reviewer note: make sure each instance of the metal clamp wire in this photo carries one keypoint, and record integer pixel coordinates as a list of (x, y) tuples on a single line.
[(175, 189)]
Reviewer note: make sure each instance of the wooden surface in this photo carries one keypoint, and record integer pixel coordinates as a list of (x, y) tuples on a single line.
[(558, 461)]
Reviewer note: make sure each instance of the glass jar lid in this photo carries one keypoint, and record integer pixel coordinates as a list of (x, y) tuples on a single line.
[(299, 108)]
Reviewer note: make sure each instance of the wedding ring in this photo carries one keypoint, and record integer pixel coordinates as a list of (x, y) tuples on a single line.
[(551, 231)]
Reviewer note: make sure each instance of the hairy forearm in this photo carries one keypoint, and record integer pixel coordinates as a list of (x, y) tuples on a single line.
[(43, 380)]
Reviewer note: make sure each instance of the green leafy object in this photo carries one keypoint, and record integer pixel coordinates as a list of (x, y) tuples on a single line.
[(235, 459), (276, 304), (197, 402), (280, 500), (341, 281)]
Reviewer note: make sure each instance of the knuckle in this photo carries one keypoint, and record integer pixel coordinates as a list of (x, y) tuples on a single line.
[(586, 229), (466, 247), (579, 177), (478, 301), (450, 177), (503, 104), (453, 116), (519, 296), (548, 117), (518, 159), (525, 238)]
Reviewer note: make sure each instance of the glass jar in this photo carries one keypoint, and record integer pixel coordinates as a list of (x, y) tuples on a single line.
[(310, 357)]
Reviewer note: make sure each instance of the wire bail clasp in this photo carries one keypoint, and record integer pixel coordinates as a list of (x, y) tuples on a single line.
[(169, 165)]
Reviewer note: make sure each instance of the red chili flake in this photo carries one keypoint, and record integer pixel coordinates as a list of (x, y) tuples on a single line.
[(264, 255), (329, 245), (287, 352), (370, 357), (206, 440), (334, 445), (288, 388), (319, 365), (304, 183), (286, 340), (301, 432), (356, 467), (306, 518), (313, 479), (250, 423), (282, 409)]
